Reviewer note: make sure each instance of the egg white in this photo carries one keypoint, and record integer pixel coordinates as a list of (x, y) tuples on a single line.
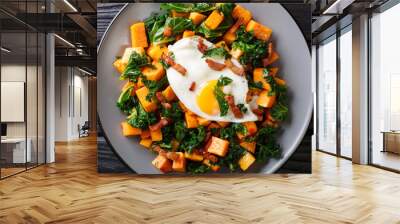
[(186, 53)]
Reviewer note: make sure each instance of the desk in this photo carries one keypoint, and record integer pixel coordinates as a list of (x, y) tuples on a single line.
[(16, 147), (391, 141)]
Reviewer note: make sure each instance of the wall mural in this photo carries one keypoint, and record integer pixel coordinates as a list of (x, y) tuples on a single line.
[(199, 88)]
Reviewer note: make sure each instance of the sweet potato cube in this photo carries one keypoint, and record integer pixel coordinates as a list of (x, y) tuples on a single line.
[(258, 76), (280, 81), (179, 14), (129, 51), (188, 33), (196, 17), (155, 51), (138, 35), (260, 31), (156, 135), (119, 65), (236, 52), (223, 124), (148, 106), (246, 161), (203, 121), (162, 163), (129, 130), (155, 72), (214, 19), (230, 36), (193, 156), (241, 12), (146, 142), (273, 71), (213, 167), (265, 100), (191, 120), (218, 146), (179, 164), (251, 127), (169, 94), (272, 58), (249, 146), (140, 83), (145, 134)]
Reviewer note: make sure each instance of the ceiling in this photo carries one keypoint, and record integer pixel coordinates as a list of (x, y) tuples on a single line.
[(72, 20)]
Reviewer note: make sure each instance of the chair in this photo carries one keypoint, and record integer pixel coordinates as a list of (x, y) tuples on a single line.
[(84, 130)]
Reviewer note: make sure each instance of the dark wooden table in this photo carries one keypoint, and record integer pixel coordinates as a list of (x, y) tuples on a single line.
[(299, 162)]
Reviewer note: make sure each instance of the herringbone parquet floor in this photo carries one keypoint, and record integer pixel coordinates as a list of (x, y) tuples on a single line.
[(71, 191)]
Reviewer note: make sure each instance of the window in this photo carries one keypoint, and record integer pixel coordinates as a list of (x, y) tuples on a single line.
[(385, 89), (346, 92), (327, 96)]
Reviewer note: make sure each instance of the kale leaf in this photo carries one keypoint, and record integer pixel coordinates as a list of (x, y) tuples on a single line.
[(154, 86), (177, 25), (188, 7), (254, 50), (267, 147), (139, 118), (280, 110), (196, 167), (132, 70), (193, 138), (217, 52), (226, 9), (231, 160), (175, 112), (126, 101), (220, 95)]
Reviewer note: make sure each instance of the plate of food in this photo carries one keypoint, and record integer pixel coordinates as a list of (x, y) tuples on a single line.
[(204, 87)]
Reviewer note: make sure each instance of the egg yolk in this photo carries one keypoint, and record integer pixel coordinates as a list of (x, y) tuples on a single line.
[(206, 99)]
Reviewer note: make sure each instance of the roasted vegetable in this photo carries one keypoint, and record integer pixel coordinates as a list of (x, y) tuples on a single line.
[(176, 25), (154, 72), (246, 160), (226, 10), (260, 31), (138, 35), (196, 17), (129, 130), (139, 118), (220, 95), (254, 50), (133, 68), (162, 163), (187, 7), (214, 19), (125, 100), (216, 52)]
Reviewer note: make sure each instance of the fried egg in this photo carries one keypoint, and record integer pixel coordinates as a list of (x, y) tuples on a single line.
[(201, 100)]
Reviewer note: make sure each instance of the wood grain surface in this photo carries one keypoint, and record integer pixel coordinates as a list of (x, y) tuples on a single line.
[(299, 162), (72, 191)]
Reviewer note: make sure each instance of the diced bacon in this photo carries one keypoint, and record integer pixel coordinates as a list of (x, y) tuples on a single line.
[(235, 110), (167, 31), (192, 86), (161, 123), (215, 65), (201, 46), (167, 59), (235, 69)]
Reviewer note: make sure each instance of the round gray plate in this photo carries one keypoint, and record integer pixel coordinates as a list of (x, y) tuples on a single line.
[(294, 63)]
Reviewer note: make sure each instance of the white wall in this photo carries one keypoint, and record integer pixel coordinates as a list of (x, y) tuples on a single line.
[(71, 94)]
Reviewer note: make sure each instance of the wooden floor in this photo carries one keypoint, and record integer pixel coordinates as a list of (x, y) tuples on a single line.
[(71, 191)]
